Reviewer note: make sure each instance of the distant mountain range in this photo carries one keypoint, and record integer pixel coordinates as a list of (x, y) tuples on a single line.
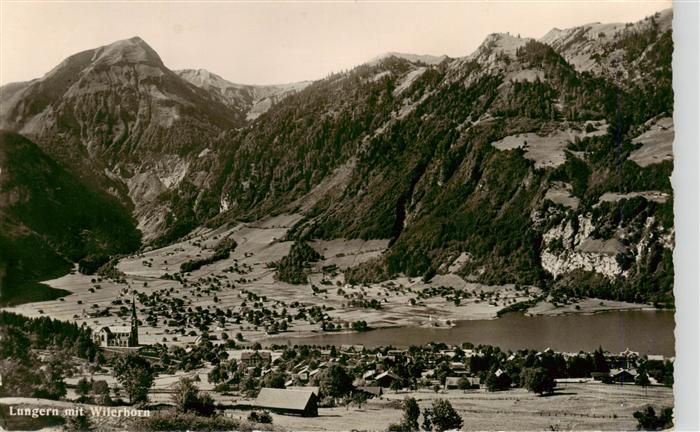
[(252, 99), (542, 162)]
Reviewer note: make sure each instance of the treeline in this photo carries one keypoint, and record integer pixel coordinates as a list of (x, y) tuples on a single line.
[(294, 267), (44, 333), (222, 251), (27, 374)]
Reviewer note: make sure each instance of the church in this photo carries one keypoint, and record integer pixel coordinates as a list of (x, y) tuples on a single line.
[(119, 336)]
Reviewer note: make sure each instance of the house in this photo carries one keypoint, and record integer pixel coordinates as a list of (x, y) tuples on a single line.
[(458, 367), (452, 382), (369, 374), (475, 382), (500, 372), (352, 348), (629, 353), (119, 336), (623, 375), (447, 353), (428, 374), (303, 375), (372, 391), (385, 379), (291, 402), (468, 353), (256, 358)]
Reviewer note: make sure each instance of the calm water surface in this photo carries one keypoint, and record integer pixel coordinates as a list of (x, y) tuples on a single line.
[(648, 332)]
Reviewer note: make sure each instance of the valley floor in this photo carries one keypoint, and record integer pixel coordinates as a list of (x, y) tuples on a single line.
[(236, 282)]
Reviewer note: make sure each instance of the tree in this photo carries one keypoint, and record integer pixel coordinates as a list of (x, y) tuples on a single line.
[(187, 398), (250, 385), (83, 386), (80, 423), (274, 380), (600, 363), (15, 344), (336, 381), (441, 417), (136, 375), (100, 390), (642, 379), (204, 405), (464, 384), (52, 385), (648, 420), (184, 395), (411, 412), (579, 366), (396, 385), (360, 326), (496, 382), (217, 374), (537, 380), (263, 417), (359, 398)]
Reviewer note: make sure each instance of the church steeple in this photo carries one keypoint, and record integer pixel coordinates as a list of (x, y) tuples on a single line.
[(134, 336)]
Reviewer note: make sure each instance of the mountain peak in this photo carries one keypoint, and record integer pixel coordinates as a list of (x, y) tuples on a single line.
[(132, 50), (413, 58), (504, 43), (206, 79)]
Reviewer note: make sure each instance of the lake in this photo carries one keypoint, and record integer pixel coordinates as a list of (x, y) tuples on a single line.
[(648, 332)]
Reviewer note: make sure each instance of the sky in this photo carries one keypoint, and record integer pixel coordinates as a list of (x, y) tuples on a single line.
[(279, 42)]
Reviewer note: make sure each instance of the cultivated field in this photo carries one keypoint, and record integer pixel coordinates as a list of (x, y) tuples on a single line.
[(657, 143), (245, 283)]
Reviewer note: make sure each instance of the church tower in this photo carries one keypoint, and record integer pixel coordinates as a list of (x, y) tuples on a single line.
[(134, 335)]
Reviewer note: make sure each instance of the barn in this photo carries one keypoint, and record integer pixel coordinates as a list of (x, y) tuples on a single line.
[(283, 401)]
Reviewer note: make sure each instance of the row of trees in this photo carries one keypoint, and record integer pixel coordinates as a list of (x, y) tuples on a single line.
[(440, 417)]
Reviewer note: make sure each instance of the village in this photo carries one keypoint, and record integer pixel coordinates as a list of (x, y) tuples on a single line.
[(336, 388), (207, 312)]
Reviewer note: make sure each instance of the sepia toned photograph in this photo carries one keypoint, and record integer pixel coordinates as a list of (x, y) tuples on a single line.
[(337, 216)]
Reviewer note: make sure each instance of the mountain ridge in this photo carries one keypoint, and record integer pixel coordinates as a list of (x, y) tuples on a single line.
[(502, 156)]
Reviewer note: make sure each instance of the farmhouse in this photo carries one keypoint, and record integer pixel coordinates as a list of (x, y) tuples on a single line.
[(385, 379), (282, 401), (256, 358), (623, 375), (371, 391)]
